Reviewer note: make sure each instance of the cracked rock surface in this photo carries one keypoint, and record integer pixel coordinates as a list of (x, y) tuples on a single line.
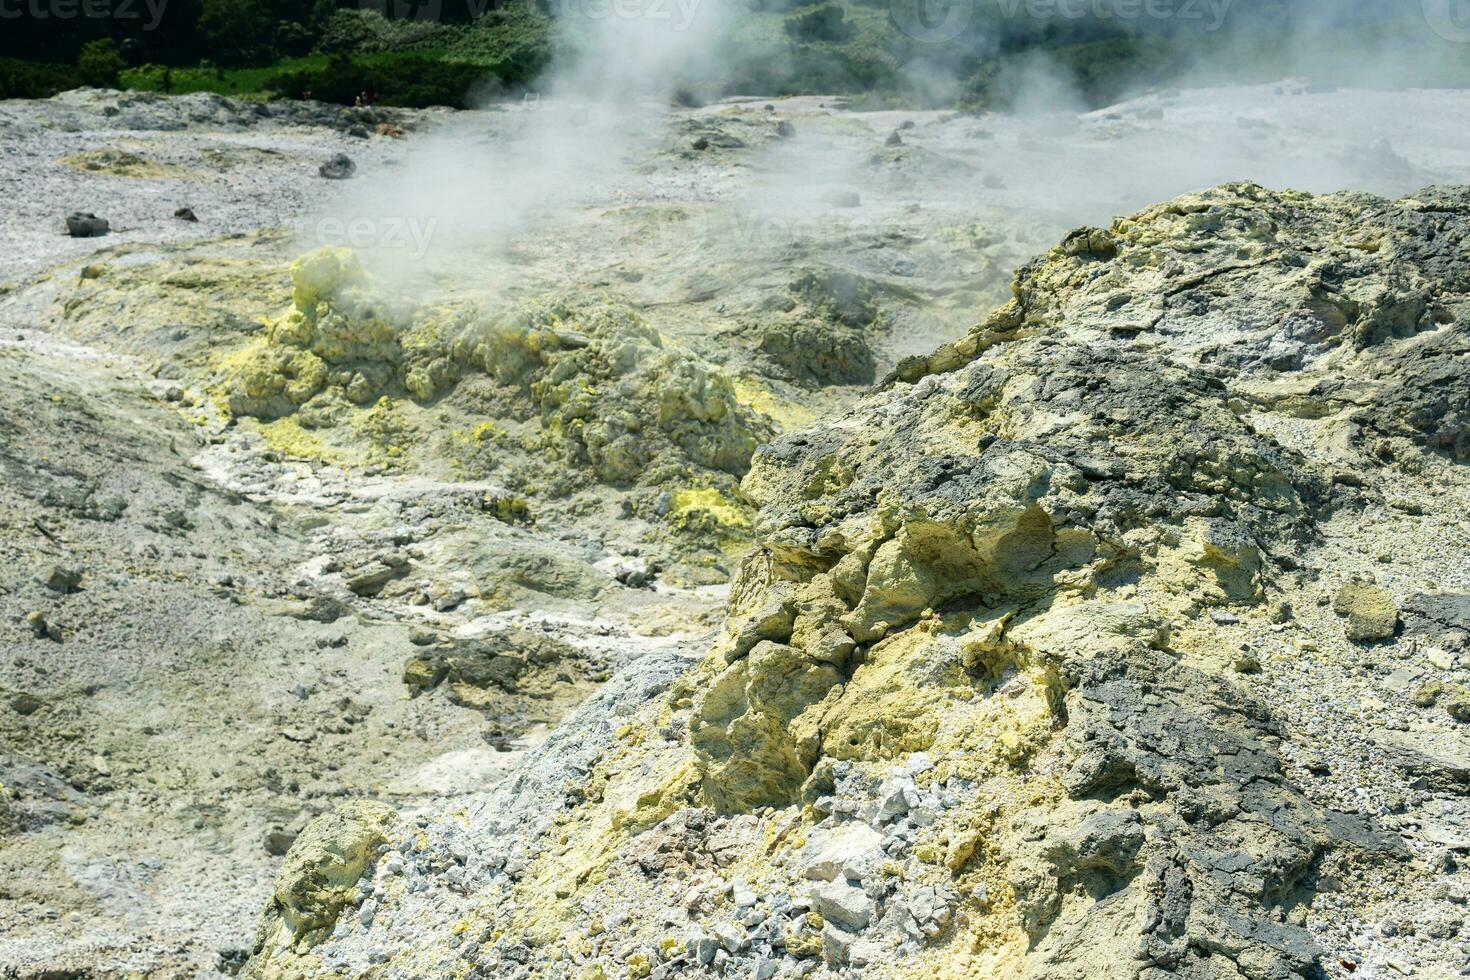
[(677, 581), (1118, 638)]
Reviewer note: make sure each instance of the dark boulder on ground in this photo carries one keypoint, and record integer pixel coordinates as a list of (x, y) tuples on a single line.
[(340, 167), (84, 224)]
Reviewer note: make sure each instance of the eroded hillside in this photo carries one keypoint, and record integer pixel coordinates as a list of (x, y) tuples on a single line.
[(658, 575), (281, 532), (1118, 638)]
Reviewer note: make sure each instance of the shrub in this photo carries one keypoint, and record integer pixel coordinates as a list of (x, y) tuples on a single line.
[(1099, 73), (99, 64), (237, 32), (351, 31), (513, 43), (825, 23), (149, 78), (35, 80), (412, 82)]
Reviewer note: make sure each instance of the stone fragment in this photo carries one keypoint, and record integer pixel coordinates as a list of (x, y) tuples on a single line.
[(930, 909), (372, 580), (731, 936), (836, 946), (278, 841), (840, 903), (320, 873), (1245, 662), (24, 703), (1227, 550), (1105, 840), (84, 224), (41, 627), (827, 852), (803, 939), (1370, 611), (772, 620), (339, 167), (59, 578), (896, 796)]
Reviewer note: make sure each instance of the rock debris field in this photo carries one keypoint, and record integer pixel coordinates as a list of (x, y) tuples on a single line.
[(812, 543)]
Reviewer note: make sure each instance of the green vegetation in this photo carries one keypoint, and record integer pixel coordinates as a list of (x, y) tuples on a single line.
[(99, 63), (336, 50), (827, 22), (362, 32), (1098, 72), (225, 81), (414, 80), (393, 62), (33, 80), (281, 48), (817, 49), (513, 43), (282, 79)]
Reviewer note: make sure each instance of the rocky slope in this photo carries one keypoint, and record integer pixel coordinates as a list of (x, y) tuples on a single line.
[(199, 660), (282, 532), (277, 536), (1122, 637)]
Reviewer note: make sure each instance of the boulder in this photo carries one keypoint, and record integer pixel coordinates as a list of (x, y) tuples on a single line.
[(339, 167), (827, 852), (84, 224), (843, 905), (1370, 611), (320, 874), (59, 578)]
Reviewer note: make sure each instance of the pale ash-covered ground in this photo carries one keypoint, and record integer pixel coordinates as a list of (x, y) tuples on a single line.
[(223, 616), (1121, 637)]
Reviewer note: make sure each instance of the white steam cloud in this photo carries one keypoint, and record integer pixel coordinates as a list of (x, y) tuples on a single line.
[(478, 179), (525, 197)]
